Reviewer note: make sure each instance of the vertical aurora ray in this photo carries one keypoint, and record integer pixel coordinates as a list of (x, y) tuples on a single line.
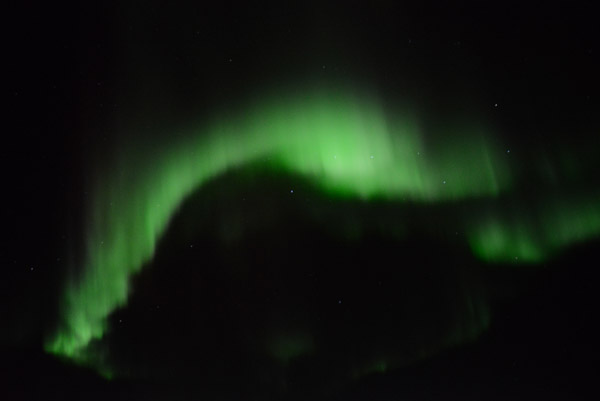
[(532, 236), (348, 145)]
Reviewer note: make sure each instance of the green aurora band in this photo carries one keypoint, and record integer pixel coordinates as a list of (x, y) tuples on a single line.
[(346, 143)]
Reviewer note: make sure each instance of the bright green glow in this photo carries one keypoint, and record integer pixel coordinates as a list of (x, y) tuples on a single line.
[(347, 144), (534, 236), (497, 241)]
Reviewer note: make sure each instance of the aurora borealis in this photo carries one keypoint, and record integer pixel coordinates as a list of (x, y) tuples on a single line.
[(346, 145), (300, 201)]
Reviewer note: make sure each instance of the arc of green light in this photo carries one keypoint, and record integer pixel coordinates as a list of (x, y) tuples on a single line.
[(346, 144)]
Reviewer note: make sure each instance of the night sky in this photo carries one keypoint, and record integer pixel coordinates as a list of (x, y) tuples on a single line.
[(308, 201)]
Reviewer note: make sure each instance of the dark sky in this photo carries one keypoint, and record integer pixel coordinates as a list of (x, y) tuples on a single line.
[(81, 77)]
